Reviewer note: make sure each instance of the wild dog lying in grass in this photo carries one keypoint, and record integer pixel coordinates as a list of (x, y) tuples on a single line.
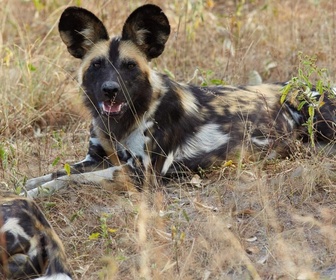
[(29, 247), (144, 123)]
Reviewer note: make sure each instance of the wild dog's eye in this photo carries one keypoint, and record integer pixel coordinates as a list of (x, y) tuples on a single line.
[(96, 63), (131, 65)]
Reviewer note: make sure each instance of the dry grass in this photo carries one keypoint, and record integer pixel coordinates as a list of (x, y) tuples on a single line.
[(273, 220)]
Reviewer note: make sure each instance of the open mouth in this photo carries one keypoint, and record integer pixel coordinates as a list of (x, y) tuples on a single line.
[(112, 108)]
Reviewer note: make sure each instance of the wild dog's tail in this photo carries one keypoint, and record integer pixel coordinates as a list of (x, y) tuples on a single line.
[(29, 247)]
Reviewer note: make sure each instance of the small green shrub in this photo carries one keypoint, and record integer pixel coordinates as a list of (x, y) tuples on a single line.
[(310, 79)]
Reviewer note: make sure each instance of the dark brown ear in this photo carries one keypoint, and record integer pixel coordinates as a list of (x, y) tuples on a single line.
[(80, 30), (147, 27)]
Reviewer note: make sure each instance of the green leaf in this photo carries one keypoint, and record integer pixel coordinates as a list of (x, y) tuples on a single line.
[(67, 168), (38, 5), (121, 258), (112, 230), (50, 204), (3, 154), (56, 160), (300, 73), (31, 67), (217, 82), (76, 215), (185, 215), (319, 87), (311, 112), (285, 92), (18, 190), (94, 236), (301, 104), (169, 73)]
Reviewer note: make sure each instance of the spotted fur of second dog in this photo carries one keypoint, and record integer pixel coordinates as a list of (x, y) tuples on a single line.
[(144, 123), (29, 247)]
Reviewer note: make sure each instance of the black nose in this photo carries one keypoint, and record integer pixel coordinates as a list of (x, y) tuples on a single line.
[(110, 89)]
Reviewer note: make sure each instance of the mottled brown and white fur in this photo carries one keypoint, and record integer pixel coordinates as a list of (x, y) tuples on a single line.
[(29, 247)]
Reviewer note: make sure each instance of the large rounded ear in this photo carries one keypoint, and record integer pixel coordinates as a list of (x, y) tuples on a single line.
[(147, 27), (80, 30)]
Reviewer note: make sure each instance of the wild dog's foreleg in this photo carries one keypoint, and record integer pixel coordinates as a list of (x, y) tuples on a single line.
[(120, 178), (96, 159)]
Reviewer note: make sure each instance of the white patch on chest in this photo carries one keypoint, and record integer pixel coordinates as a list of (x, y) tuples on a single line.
[(95, 141), (136, 142)]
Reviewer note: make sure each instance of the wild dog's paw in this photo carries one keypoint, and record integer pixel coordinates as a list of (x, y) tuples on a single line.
[(46, 189), (37, 182)]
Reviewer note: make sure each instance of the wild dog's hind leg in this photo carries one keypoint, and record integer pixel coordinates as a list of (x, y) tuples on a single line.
[(96, 159)]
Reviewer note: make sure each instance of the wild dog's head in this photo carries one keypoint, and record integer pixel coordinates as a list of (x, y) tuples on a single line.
[(114, 72)]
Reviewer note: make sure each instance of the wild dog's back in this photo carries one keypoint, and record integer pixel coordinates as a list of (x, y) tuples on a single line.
[(212, 124), (202, 126)]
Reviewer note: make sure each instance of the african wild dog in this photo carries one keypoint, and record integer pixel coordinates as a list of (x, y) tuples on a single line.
[(145, 123), (29, 247)]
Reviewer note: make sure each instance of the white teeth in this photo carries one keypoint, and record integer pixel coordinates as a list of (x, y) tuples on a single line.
[(111, 107)]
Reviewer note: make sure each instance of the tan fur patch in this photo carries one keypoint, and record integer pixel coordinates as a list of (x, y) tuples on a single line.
[(121, 181), (129, 50), (107, 144), (100, 49), (188, 100), (66, 37), (253, 95)]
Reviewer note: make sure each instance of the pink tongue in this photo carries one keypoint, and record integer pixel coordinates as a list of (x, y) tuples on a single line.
[(108, 107)]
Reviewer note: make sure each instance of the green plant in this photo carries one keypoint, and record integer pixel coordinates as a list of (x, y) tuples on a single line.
[(207, 78), (3, 156), (303, 87), (178, 237), (105, 231)]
